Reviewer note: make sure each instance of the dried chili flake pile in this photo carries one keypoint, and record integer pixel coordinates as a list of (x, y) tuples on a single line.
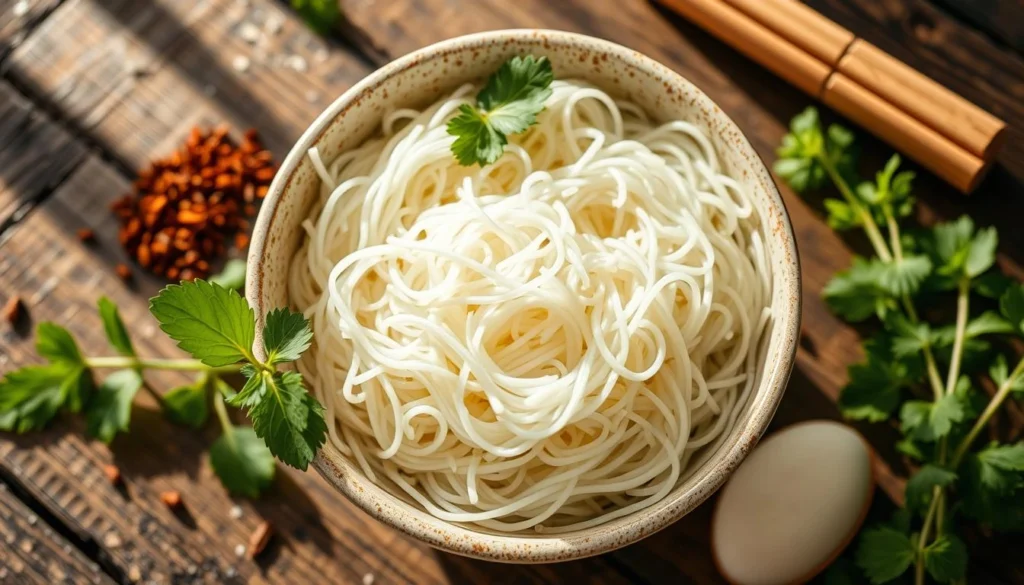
[(187, 209)]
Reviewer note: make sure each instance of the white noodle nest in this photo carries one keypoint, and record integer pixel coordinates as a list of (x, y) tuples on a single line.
[(548, 342)]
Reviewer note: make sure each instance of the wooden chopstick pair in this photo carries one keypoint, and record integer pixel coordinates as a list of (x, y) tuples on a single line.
[(942, 131)]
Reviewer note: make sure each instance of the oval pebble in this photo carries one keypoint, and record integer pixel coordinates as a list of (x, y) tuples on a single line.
[(793, 506)]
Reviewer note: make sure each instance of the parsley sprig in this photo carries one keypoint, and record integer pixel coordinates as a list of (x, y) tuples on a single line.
[(218, 328), (508, 104), (914, 272)]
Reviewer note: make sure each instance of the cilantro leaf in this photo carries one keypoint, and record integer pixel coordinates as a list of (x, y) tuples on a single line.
[(252, 392), (242, 461), (873, 392), (958, 251), (516, 93), (508, 104), (55, 343), (841, 215), (319, 15), (1011, 305), (1000, 371), (856, 294), (904, 276), (232, 276), (946, 558), (31, 396), (987, 323), (890, 191), (929, 421), (798, 163), (110, 409), (476, 141), (920, 486), (993, 486), (188, 405), (884, 554), (114, 327), (908, 338), (286, 335), (992, 284), (289, 419), (210, 322)]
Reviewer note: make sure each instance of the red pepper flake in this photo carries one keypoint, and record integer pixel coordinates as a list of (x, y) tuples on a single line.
[(171, 499), (113, 474), (13, 310), (185, 210), (86, 236), (124, 272)]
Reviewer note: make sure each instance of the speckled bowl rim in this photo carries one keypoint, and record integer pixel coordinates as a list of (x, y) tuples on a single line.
[(615, 534)]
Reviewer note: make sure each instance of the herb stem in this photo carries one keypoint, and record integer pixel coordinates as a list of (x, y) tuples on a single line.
[(222, 413), (870, 227), (922, 542), (993, 406), (894, 235), (159, 364), (963, 300)]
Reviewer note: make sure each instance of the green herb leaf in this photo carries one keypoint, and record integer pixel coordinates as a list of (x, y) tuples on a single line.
[(289, 419), (252, 392), (188, 405), (856, 294), (957, 251), (319, 15), (286, 336), (798, 163), (873, 392), (476, 142), (508, 104), (987, 323), (921, 485), (904, 277), (841, 216), (210, 322), (981, 253), (930, 421), (992, 284), (884, 554), (55, 343), (114, 327), (242, 461), (946, 558), (110, 409), (232, 276), (908, 338), (1000, 371), (1011, 305), (993, 489), (31, 396)]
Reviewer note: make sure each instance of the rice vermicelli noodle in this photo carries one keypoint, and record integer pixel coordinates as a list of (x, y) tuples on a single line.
[(548, 342)]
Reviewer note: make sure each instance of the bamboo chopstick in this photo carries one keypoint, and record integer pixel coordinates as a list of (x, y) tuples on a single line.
[(939, 129)]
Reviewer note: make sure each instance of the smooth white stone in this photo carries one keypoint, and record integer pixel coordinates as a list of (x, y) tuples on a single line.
[(793, 505)]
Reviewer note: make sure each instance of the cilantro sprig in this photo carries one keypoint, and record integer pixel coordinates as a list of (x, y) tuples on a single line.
[(508, 104), (218, 328), (923, 374)]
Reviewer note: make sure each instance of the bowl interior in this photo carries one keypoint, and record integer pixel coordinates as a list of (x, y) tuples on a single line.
[(421, 78)]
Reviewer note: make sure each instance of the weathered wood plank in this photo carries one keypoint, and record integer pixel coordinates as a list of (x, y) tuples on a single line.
[(35, 154), (135, 76), (32, 553), (1003, 19), (18, 18)]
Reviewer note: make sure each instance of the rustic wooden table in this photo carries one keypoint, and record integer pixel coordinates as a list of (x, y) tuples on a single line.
[(92, 89)]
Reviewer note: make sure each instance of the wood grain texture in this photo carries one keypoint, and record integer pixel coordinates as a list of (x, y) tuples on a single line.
[(18, 18), (33, 554), (35, 154), (1003, 19)]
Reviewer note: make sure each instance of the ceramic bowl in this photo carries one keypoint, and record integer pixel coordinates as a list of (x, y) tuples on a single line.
[(424, 76)]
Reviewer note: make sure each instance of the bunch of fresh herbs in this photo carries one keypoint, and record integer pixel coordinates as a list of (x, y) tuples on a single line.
[(919, 370), (218, 328)]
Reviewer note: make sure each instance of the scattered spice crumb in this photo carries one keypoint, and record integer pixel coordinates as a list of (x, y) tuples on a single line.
[(111, 540), (321, 55), (171, 499), (312, 96), (86, 235), (13, 310), (239, 550), (296, 62), (259, 538), (240, 63), (113, 474), (368, 579), (249, 32), (273, 24), (20, 8), (236, 512), (134, 574), (124, 272)]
